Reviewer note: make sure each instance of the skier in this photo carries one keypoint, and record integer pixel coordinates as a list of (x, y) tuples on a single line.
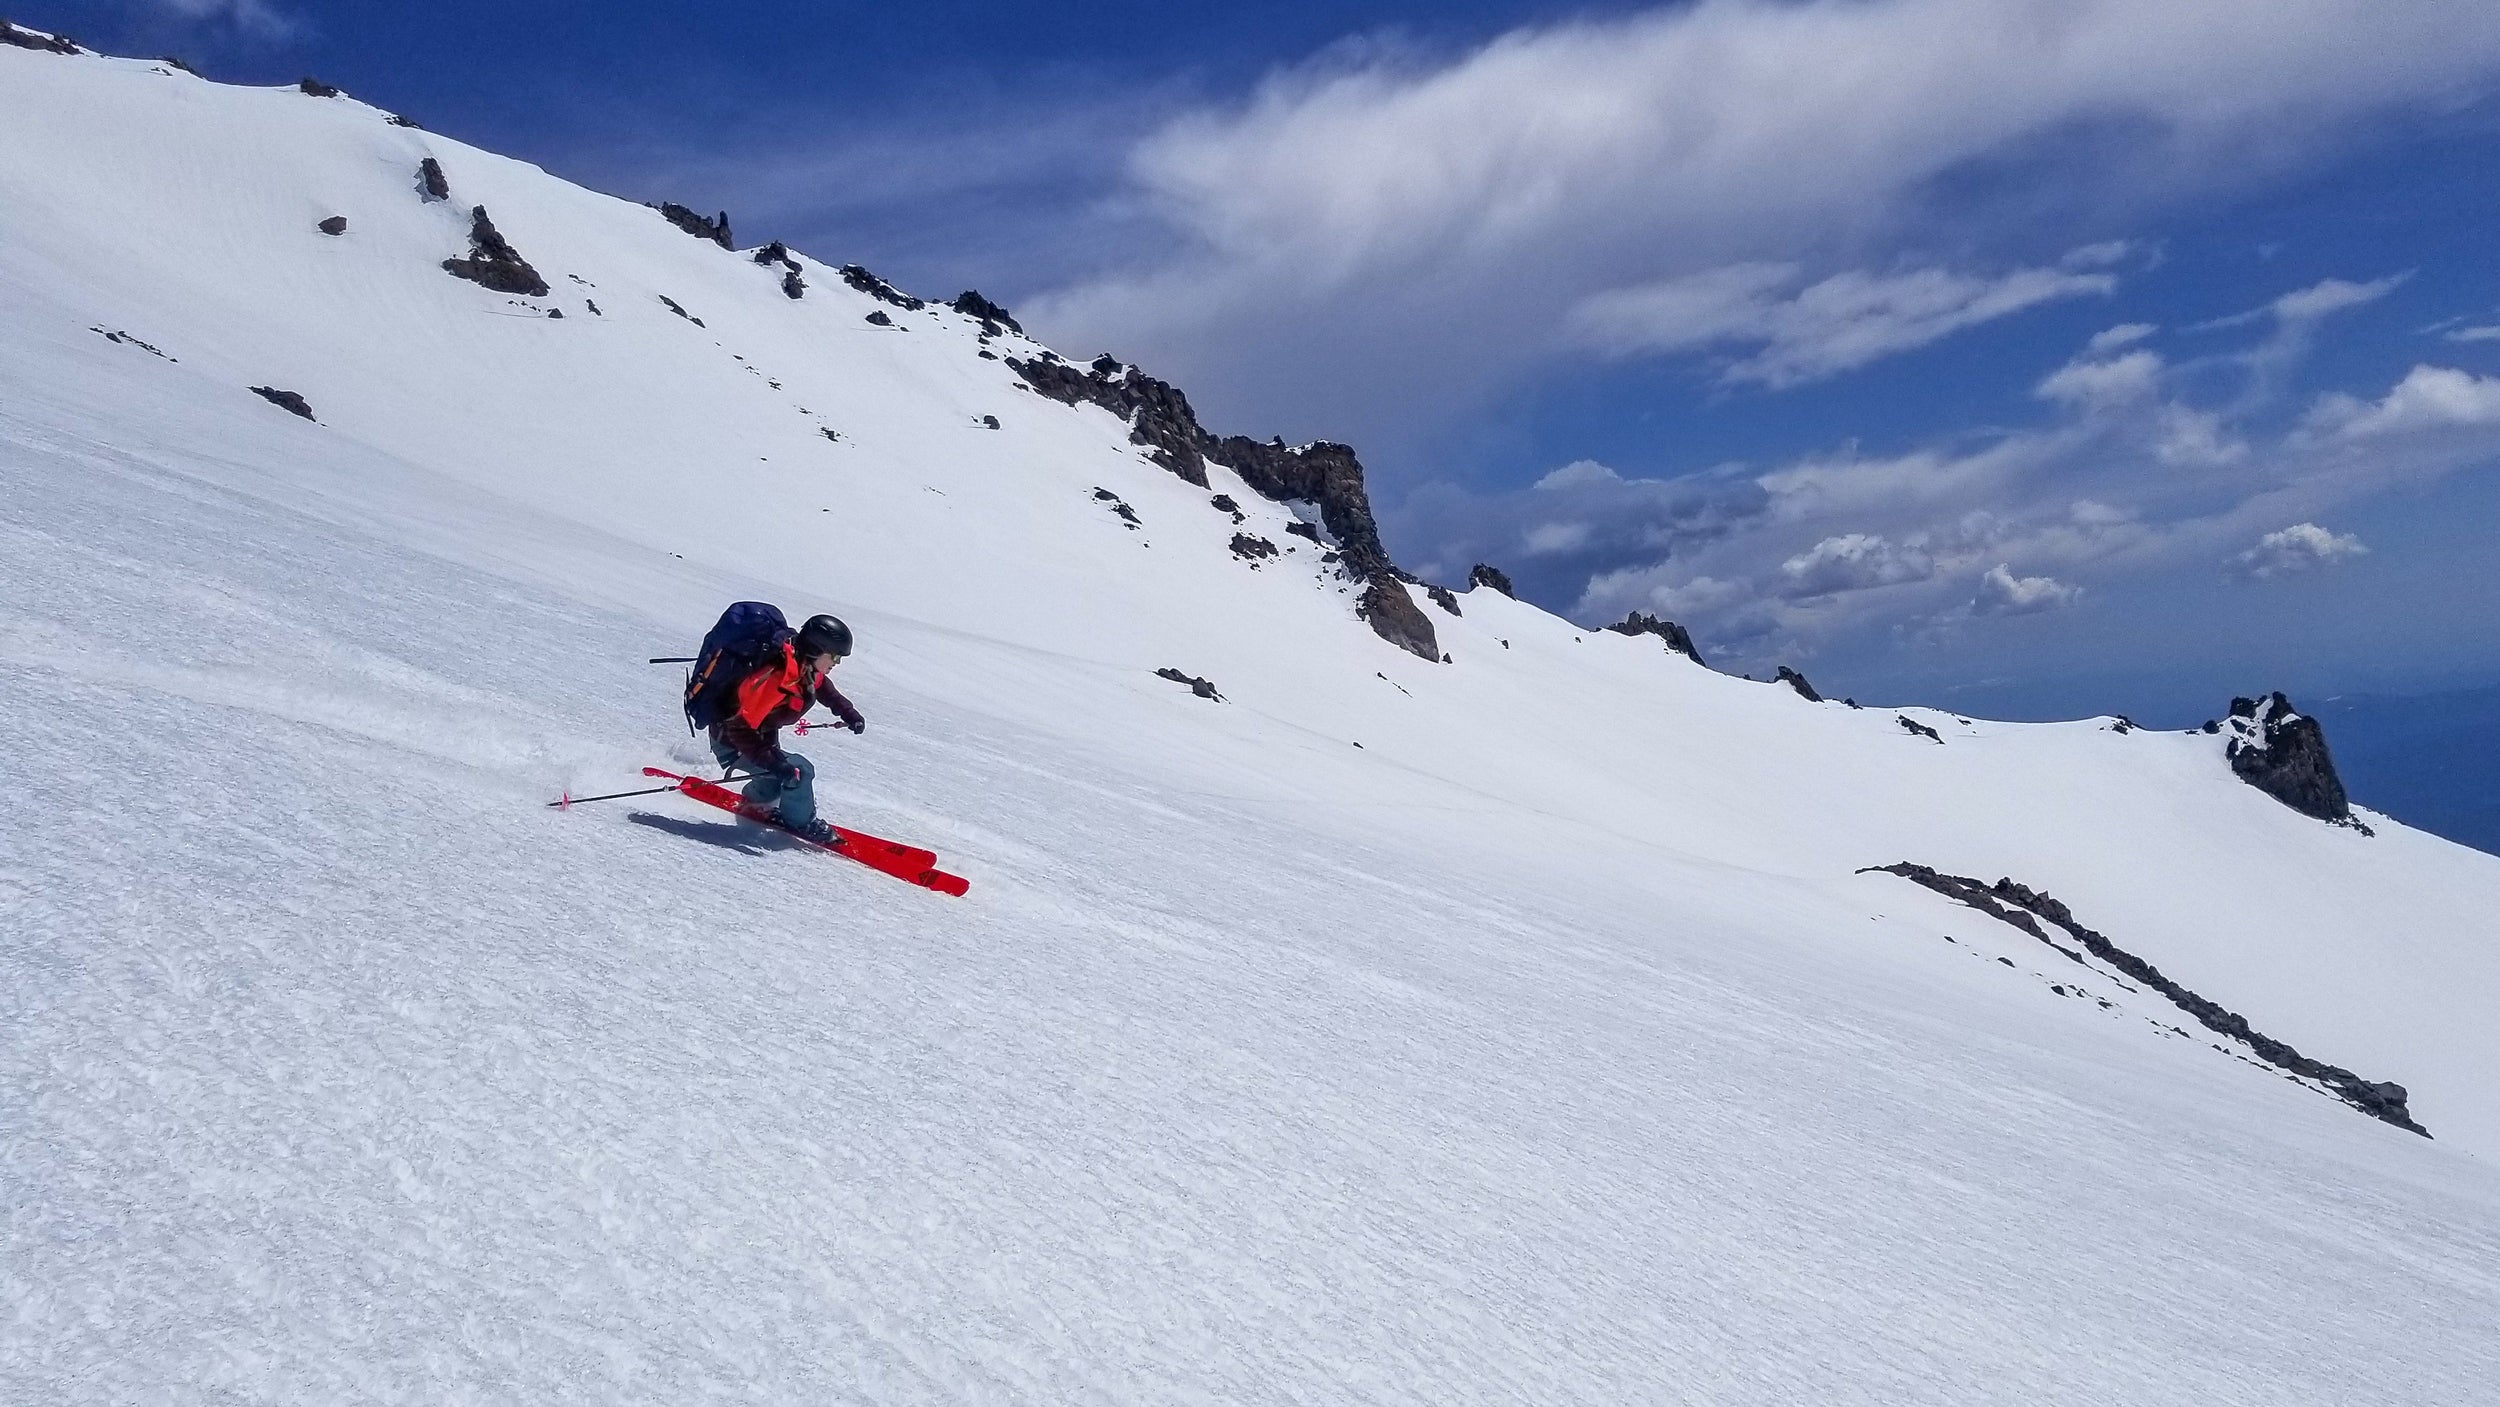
[(769, 698)]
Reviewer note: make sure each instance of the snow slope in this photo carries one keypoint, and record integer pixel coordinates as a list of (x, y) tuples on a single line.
[(1545, 1047)]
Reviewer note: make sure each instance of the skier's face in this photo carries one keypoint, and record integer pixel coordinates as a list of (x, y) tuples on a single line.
[(823, 665)]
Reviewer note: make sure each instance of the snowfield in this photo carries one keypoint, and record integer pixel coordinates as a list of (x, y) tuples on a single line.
[(1513, 1030)]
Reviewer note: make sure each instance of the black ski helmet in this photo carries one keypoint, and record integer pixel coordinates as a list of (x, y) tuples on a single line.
[(823, 635)]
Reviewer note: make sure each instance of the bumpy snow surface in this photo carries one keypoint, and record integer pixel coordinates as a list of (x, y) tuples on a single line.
[(1511, 1030)]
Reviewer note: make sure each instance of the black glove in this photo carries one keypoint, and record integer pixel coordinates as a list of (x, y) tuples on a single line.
[(856, 723), (789, 775)]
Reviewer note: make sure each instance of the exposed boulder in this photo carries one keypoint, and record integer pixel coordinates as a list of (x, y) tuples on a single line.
[(285, 400), (1223, 503), (1198, 686), (879, 289), (993, 317), (430, 182), (1395, 617), (1918, 729), (1441, 597), (878, 316), (35, 39), (335, 225), (989, 422), (1677, 638), (493, 262), (1499, 580), (717, 231), (315, 88), (1298, 528), (2282, 753), (1252, 549), (1797, 681)]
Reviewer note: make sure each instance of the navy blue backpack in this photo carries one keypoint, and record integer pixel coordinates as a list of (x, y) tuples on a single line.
[(747, 635)]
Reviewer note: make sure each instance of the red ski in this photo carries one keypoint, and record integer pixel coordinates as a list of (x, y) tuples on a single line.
[(905, 862)]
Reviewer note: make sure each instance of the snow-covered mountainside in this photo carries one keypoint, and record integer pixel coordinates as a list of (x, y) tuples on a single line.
[(1530, 1026)]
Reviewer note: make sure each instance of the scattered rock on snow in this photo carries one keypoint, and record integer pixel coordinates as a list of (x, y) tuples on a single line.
[(1223, 503), (335, 225), (717, 231), (430, 182), (284, 400), (2023, 907), (993, 317), (1678, 639), (1252, 549), (1197, 686), (493, 262), (679, 311), (400, 119), (1126, 514), (315, 88), (129, 341), (879, 289), (35, 39), (1912, 725)]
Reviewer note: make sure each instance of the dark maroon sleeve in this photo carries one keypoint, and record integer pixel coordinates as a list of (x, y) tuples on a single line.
[(831, 698)]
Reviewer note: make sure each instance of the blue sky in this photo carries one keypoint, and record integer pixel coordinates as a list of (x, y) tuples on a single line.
[(2034, 356)]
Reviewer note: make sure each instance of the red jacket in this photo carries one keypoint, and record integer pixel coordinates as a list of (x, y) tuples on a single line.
[(772, 698)]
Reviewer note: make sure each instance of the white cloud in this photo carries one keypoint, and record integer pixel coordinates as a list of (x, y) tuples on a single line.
[(1579, 473), (2296, 549), (1854, 562), (2475, 334), (1834, 325), (2428, 398), (1550, 539), (2118, 381), (2001, 593), (1422, 218), (2125, 334), (253, 17)]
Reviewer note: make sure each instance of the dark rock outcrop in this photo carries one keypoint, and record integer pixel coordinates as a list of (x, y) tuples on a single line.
[(1396, 618), (171, 61), (1677, 637), (315, 88), (2022, 906), (1119, 506), (284, 400), (430, 182), (1797, 681), (335, 225), (717, 231), (1918, 729), (1223, 503), (41, 43), (127, 340), (399, 119), (1323, 473), (493, 262), (2282, 753), (1499, 580), (793, 282), (1441, 597), (1198, 686), (1298, 528), (878, 316), (993, 317), (1252, 549), (879, 289), (679, 311), (989, 422)]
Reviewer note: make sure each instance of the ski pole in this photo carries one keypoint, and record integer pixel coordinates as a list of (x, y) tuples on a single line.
[(672, 659), (567, 802)]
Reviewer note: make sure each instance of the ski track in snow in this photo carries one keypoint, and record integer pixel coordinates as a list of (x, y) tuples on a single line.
[(1547, 1049)]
